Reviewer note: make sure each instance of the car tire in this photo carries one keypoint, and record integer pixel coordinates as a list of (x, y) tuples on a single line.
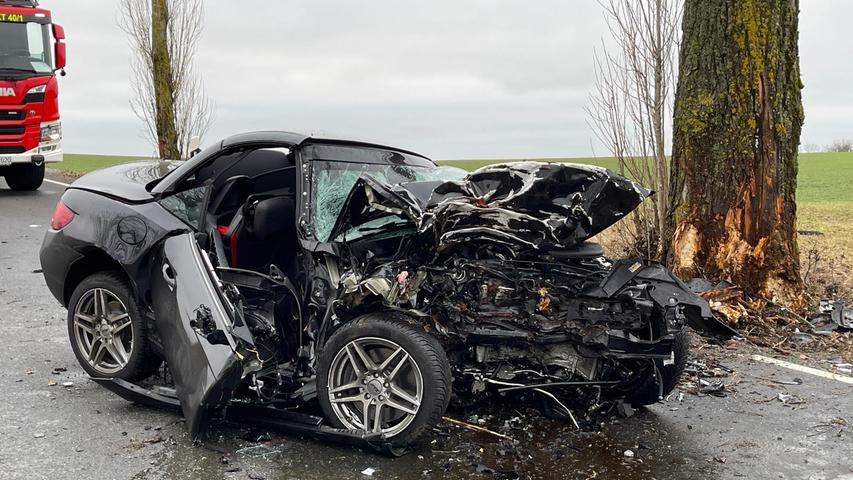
[(25, 177), (420, 356), (102, 358), (648, 391)]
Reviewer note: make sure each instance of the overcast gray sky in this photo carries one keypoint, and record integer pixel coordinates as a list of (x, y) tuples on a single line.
[(451, 79)]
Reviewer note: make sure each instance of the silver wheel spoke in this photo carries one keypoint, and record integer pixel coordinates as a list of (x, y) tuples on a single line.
[(404, 395), (350, 399), (388, 360), (117, 317), (377, 418), (346, 387), (100, 303), (97, 352), (397, 368), (85, 327), (86, 318), (397, 406), (365, 359), (366, 420), (121, 326), (358, 371), (116, 349)]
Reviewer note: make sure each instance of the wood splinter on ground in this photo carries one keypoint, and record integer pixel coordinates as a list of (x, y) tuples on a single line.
[(476, 428)]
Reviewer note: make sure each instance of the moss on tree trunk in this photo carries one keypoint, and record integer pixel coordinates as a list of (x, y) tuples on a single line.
[(164, 90), (738, 116)]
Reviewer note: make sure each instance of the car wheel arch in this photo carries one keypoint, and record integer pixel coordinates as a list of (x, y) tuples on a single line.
[(93, 261)]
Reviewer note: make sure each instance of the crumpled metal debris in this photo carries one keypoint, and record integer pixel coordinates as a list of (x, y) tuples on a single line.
[(833, 315), (544, 206)]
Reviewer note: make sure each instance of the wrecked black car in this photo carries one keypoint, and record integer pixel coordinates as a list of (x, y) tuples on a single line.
[(275, 272)]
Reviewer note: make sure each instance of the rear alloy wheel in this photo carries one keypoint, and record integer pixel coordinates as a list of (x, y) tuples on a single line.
[(25, 177), (383, 376), (106, 331)]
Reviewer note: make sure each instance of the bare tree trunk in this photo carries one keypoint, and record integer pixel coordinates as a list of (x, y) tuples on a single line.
[(738, 117), (169, 94), (161, 63)]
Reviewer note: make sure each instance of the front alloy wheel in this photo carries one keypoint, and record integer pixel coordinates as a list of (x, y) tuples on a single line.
[(375, 386), (383, 374)]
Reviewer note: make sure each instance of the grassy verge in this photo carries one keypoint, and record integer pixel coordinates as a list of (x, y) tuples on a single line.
[(76, 164)]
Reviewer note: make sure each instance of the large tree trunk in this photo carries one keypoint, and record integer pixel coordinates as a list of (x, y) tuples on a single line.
[(167, 133), (738, 116)]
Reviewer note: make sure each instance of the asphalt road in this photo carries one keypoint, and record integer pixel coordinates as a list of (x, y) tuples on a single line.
[(56, 424)]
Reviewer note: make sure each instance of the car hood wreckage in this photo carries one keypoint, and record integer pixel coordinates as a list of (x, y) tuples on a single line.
[(491, 271)]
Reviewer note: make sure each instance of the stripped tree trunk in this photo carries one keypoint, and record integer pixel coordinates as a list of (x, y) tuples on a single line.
[(164, 91), (738, 116)]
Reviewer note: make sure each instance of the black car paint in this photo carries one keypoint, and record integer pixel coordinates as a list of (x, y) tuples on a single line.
[(184, 297), (116, 201), (123, 227)]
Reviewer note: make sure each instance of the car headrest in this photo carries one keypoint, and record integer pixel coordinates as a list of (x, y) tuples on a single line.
[(273, 216)]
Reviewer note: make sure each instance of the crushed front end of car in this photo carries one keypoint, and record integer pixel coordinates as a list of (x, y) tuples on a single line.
[(498, 266)]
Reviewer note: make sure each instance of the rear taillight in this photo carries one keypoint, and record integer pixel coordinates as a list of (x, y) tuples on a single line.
[(62, 216)]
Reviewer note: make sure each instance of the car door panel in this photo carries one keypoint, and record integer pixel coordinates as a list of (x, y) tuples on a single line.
[(196, 331)]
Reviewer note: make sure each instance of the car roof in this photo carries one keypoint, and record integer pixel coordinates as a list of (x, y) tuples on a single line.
[(296, 140)]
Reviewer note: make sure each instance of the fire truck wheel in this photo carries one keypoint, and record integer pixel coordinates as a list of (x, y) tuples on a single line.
[(25, 177)]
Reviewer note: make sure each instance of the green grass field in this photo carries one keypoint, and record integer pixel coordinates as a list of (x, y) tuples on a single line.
[(824, 194), (75, 163)]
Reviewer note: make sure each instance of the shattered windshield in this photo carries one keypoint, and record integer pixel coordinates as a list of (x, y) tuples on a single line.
[(333, 182)]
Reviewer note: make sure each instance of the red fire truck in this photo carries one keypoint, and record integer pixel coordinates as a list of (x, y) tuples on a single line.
[(31, 53)]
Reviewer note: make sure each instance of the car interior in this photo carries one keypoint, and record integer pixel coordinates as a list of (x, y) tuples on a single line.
[(252, 208)]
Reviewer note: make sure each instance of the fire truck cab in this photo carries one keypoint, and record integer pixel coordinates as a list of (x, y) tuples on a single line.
[(32, 51)]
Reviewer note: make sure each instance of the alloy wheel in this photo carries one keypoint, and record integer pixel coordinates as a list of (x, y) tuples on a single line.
[(375, 386), (102, 330)]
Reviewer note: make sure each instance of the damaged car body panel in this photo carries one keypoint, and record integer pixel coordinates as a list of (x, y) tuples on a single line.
[(497, 263), (327, 271), (197, 332)]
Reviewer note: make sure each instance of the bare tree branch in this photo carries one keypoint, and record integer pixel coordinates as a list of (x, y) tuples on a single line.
[(633, 100), (194, 110)]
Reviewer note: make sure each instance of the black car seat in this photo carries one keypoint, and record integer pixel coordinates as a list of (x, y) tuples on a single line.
[(265, 235), (229, 198)]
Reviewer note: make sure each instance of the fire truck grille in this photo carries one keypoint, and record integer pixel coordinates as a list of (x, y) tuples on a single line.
[(11, 130), (16, 115), (11, 150)]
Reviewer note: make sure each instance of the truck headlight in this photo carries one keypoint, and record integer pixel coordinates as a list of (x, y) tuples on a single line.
[(51, 132), (39, 89)]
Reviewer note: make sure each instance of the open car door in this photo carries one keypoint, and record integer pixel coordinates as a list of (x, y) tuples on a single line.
[(195, 325)]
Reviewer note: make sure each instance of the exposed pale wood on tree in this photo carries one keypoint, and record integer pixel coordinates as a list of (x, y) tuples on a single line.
[(738, 117)]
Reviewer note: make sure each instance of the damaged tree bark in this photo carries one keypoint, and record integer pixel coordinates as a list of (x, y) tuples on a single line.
[(738, 116)]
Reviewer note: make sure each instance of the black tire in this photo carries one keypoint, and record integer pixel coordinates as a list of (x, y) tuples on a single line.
[(25, 177), (648, 391), (142, 362), (424, 349)]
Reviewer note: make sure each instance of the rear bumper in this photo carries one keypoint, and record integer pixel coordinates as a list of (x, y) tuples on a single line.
[(56, 258), (38, 155)]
